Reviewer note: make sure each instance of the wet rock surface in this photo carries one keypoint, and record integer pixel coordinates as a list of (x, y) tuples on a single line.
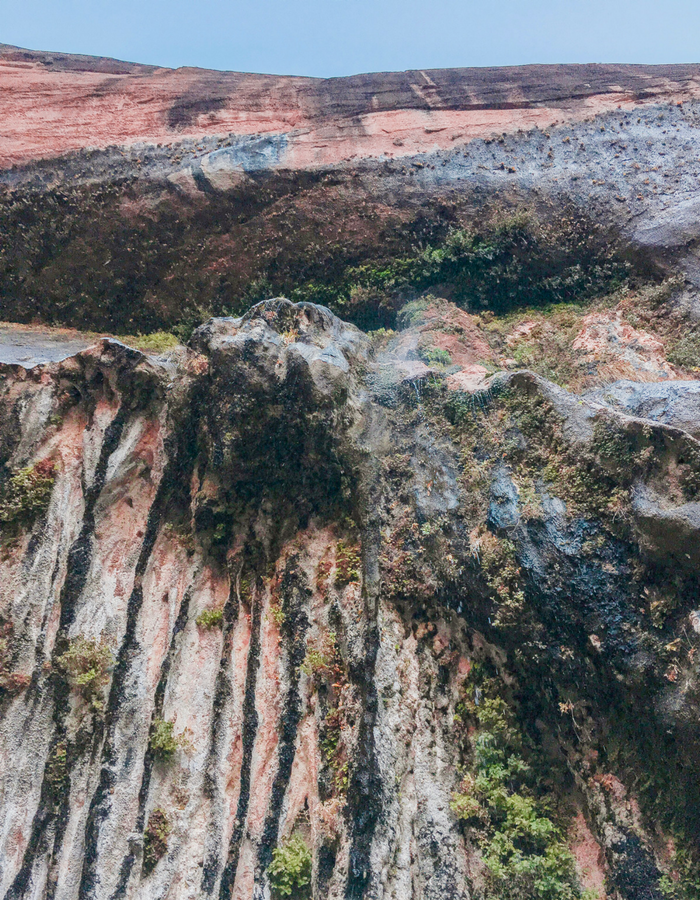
[(280, 593)]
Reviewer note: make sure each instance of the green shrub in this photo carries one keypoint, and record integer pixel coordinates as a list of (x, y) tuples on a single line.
[(686, 352), (522, 846), (210, 618), (87, 664), (290, 869), (155, 839), (433, 356), (163, 742), (26, 495)]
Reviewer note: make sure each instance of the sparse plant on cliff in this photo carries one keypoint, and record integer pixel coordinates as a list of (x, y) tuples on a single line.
[(56, 769), (163, 741), (333, 750), (210, 618), (686, 351), (87, 663), (322, 658), (348, 564), (26, 495), (155, 839), (290, 869)]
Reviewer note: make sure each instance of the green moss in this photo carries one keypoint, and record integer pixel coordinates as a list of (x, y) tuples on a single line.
[(87, 664), (515, 261), (155, 839), (210, 618), (290, 869), (156, 342), (162, 741), (26, 495)]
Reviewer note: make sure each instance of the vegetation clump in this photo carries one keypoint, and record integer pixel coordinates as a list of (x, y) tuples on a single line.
[(503, 575), (87, 664), (508, 813), (686, 351), (348, 564), (163, 741), (290, 869), (26, 495), (434, 356), (155, 839), (56, 768), (323, 658), (513, 261), (333, 750), (210, 618)]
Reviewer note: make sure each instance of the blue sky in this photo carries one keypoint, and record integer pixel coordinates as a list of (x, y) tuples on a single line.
[(342, 37)]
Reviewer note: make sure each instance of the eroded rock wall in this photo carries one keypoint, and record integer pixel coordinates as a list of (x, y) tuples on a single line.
[(289, 585)]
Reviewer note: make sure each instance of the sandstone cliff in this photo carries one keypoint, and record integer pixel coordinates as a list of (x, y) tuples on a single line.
[(293, 608)]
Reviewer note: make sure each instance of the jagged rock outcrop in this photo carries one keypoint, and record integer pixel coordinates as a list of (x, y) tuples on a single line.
[(291, 584)]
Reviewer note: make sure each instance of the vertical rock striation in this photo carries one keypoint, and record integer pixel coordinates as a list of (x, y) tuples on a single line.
[(293, 586)]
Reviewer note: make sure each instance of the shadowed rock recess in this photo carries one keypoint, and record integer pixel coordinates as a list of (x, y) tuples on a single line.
[(291, 609)]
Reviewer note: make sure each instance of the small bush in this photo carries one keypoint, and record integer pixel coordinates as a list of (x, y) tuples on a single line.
[(686, 352), (27, 495), (348, 563), (210, 618), (433, 356), (87, 664), (155, 839), (8, 678), (290, 869), (522, 846), (163, 742)]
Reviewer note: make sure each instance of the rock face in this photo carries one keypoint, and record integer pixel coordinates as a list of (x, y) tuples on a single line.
[(281, 592), (134, 198), (289, 609)]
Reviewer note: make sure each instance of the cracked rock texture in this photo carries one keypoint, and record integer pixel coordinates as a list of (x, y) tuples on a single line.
[(292, 607), (369, 546)]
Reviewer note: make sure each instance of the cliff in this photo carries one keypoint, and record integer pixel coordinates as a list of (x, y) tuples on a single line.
[(290, 608), (137, 199)]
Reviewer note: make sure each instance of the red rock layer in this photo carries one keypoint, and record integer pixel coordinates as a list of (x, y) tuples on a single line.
[(52, 104)]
